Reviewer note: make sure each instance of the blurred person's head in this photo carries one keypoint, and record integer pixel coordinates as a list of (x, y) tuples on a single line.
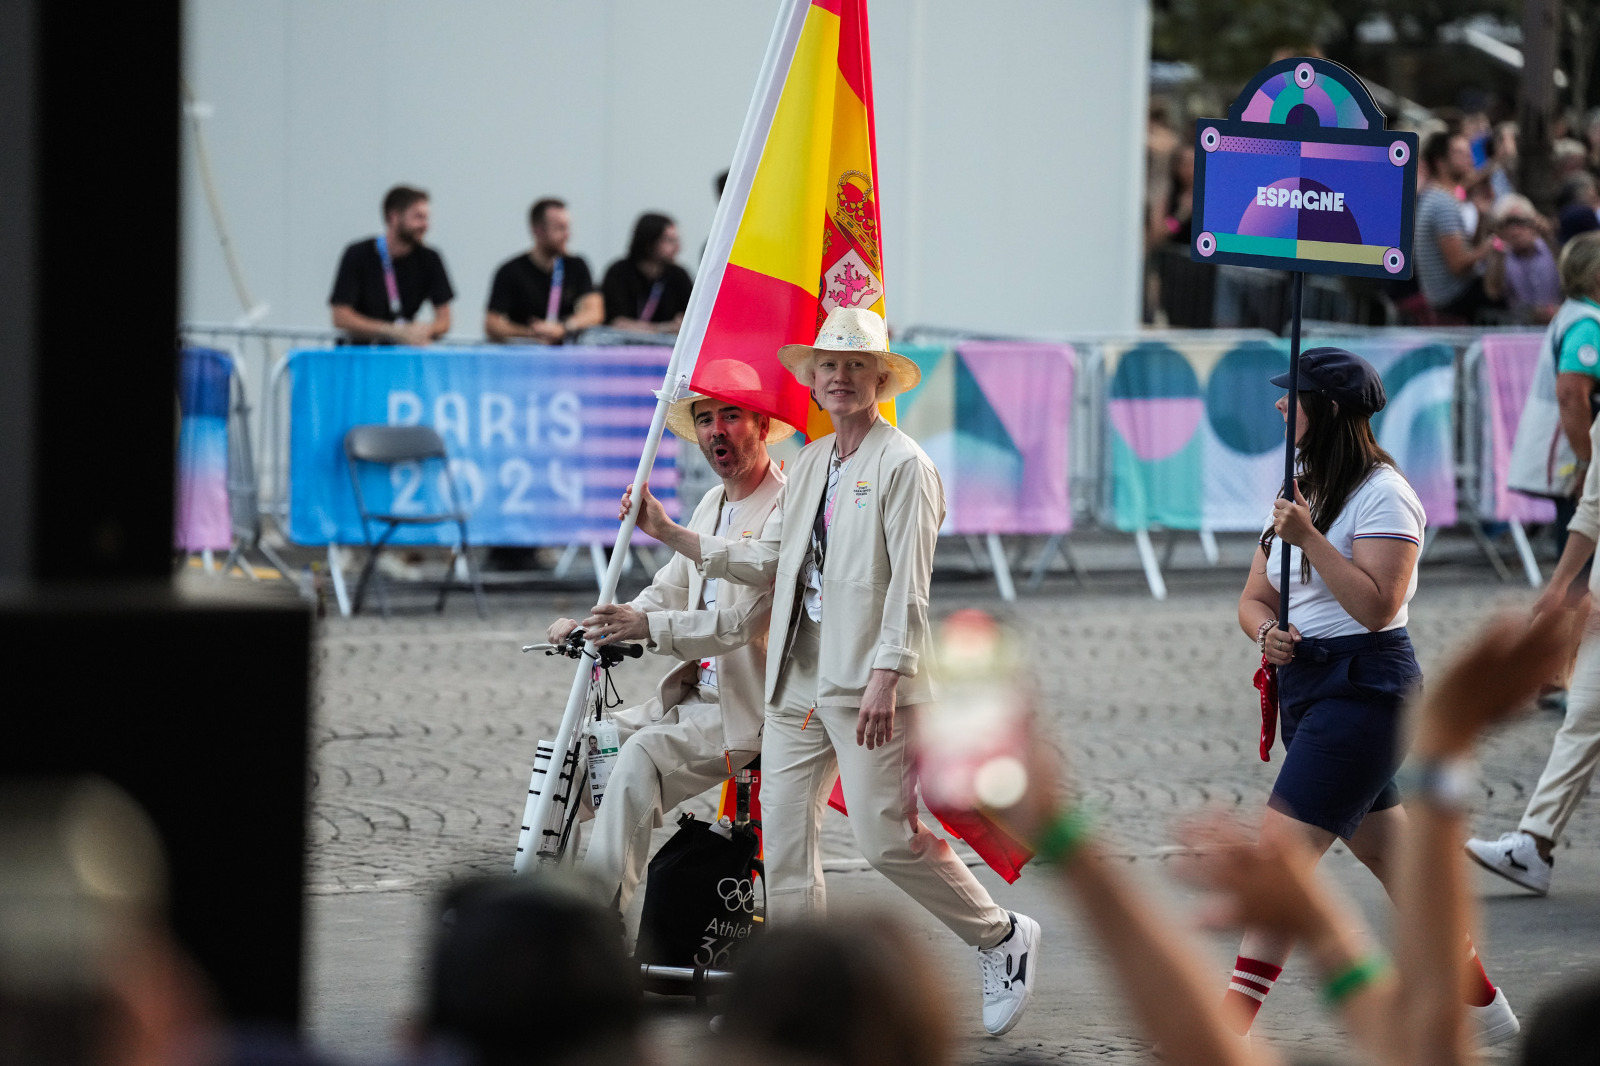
[(1580, 266), (531, 972), (852, 992), (1565, 1030), (1517, 223), (550, 224), (655, 240), (88, 972), (1570, 156), (405, 214), (1447, 157), (1580, 188), (1504, 146)]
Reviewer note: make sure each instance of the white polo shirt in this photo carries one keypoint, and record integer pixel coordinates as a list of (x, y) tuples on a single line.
[(1383, 507)]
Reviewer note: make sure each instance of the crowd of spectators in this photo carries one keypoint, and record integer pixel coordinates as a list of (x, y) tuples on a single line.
[(1484, 253), (543, 295)]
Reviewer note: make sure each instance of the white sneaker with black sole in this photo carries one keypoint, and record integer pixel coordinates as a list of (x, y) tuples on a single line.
[(1494, 1023), (1515, 857), (1008, 970)]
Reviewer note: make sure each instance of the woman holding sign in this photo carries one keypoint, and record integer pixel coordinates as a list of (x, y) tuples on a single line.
[(1345, 666)]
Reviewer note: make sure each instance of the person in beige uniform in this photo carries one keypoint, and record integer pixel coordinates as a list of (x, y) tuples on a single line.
[(1526, 855), (705, 719), (848, 553)]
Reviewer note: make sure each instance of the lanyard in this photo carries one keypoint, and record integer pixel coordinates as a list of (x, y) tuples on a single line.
[(824, 520), (552, 309), (648, 311), (389, 283)]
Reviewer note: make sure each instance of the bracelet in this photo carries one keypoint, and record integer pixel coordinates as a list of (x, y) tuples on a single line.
[(1063, 837), (1447, 784), (1353, 978), (1261, 633)]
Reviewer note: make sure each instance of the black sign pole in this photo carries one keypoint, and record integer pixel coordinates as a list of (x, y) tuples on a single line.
[(1288, 445)]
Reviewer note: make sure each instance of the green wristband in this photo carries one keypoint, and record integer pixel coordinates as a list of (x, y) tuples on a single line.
[(1063, 837), (1353, 978)]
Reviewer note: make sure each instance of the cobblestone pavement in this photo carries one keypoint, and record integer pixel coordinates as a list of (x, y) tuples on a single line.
[(425, 728)]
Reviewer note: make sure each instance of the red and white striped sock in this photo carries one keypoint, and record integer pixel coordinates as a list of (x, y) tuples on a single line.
[(1252, 980), (1478, 990)]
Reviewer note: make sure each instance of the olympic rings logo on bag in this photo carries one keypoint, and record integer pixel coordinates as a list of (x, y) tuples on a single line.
[(738, 894)]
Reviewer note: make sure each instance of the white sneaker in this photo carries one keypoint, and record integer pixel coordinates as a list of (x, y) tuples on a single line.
[(1514, 857), (1007, 970), (1494, 1023)]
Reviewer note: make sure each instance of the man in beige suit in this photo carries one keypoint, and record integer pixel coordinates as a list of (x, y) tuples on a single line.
[(848, 553), (705, 720)]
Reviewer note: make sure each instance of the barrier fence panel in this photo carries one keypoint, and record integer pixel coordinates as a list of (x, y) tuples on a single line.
[(203, 521), (1504, 375), (542, 442), (996, 420)]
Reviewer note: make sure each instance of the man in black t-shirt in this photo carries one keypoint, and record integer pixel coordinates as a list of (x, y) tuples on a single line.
[(647, 291), (384, 281), (521, 307)]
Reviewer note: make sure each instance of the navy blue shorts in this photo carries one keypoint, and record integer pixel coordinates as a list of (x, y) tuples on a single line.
[(1339, 709)]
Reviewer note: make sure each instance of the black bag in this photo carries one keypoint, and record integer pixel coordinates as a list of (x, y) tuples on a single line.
[(700, 897)]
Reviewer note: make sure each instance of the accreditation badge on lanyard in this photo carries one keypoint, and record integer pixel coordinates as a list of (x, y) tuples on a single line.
[(389, 283), (648, 311), (552, 309)]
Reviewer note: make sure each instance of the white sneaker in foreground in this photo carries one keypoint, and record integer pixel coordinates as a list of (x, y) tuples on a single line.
[(1514, 857), (1007, 970), (1494, 1024)]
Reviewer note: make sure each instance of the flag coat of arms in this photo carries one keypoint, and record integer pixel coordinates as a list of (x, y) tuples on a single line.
[(797, 233)]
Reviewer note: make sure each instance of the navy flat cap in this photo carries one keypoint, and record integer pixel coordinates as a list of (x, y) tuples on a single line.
[(1343, 377)]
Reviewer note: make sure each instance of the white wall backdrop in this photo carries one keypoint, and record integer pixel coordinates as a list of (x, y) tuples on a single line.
[(1010, 135)]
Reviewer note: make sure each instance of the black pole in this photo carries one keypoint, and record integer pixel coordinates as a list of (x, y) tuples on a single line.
[(1288, 445)]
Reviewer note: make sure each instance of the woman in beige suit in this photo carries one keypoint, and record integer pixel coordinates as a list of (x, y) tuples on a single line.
[(849, 553)]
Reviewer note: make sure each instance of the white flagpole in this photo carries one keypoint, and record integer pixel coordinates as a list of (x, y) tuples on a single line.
[(724, 226)]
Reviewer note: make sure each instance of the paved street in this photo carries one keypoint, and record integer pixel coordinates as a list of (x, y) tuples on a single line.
[(425, 728)]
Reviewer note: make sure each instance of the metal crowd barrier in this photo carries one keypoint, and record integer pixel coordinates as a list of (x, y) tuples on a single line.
[(260, 355)]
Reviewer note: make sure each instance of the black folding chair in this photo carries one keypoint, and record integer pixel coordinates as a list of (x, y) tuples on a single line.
[(389, 446)]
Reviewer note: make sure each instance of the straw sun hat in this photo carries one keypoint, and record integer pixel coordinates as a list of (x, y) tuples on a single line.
[(853, 329)]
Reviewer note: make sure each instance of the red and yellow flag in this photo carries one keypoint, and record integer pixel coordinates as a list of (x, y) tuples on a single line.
[(797, 232)]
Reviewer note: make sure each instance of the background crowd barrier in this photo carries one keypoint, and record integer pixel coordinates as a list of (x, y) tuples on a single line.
[(203, 521), (1165, 431)]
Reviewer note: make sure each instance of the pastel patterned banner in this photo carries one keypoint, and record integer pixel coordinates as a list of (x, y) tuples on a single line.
[(1505, 374), (996, 420), (202, 520), (1195, 442), (541, 441)]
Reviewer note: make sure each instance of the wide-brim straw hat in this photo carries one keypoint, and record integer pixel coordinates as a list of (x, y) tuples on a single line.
[(680, 420), (853, 329)]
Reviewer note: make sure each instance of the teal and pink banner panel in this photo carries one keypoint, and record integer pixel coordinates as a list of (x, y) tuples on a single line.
[(202, 519), (996, 419), (1196, 443), (1505, 375)]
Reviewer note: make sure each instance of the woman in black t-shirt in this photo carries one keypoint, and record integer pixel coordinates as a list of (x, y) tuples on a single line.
[(648, 291)]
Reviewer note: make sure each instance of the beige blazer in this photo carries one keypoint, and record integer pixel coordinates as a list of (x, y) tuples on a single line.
[(886, 521), (735, 634)]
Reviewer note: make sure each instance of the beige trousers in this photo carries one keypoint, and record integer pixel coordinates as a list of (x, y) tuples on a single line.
[(798, 764), (1575, 751), (666, 757)]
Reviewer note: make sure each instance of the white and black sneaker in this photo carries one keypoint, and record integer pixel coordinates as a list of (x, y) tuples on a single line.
[(1007, 970), (1515, 857)]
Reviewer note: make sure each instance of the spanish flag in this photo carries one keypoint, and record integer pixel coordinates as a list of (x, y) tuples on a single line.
[(796, 233)]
